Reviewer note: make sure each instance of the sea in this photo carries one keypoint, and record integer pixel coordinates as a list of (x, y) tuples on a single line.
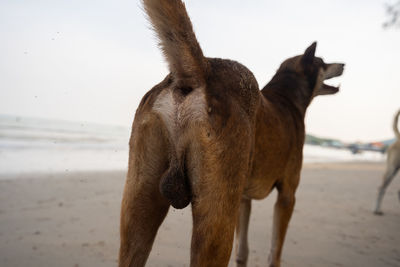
[(43, 145), (51, 146)]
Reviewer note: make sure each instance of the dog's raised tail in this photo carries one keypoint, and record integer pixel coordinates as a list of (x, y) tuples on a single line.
[(395, 123), (177, 40)]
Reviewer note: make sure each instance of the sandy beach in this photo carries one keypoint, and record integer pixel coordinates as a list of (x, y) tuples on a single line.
[(72, 219)]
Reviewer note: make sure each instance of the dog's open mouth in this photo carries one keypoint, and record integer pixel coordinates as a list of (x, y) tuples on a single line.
[(332, 71), (327, 89)]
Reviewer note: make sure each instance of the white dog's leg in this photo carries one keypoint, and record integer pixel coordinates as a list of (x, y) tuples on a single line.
[(387, 178), (242, 227)]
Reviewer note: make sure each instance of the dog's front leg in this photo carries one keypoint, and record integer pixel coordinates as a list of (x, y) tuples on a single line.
[(282, 213), (242, 227)]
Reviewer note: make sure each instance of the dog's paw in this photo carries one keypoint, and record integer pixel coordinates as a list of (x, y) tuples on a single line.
[(378, 213), (241, 263)]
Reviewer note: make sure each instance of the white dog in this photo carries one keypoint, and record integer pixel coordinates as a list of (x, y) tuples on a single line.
[(393, 165)]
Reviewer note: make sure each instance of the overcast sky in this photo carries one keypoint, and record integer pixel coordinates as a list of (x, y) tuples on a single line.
[(94, 60)]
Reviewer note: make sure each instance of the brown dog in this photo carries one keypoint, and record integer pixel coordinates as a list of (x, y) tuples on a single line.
[(208, 136)]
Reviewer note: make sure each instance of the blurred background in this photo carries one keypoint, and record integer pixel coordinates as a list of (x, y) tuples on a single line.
[(72, 74), (91, 62)]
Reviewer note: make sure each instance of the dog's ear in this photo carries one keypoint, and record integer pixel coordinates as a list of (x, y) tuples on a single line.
[(309, 54)]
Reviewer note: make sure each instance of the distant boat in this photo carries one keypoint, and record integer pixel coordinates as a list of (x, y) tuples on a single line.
[(380, 146)]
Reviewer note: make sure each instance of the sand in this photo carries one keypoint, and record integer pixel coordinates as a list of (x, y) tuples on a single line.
[(72, 219)]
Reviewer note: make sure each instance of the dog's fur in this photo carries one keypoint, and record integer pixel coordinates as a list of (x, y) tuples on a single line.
[(392, 165), (208, 136)]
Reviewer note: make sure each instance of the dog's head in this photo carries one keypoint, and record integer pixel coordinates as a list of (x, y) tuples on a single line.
[(313, 72)]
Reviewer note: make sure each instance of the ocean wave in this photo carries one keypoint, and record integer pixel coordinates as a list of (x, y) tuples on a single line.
[(39, 145)]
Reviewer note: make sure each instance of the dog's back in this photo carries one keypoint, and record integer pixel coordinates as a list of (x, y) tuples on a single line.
[(395, 125), (394, 150)]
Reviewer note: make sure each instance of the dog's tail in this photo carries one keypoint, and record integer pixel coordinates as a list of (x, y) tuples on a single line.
[(177, 41), (395, 127)]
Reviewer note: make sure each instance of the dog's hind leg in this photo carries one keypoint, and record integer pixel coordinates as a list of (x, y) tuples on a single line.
[(219, 167), (387, 178), (143, 207), (282, 213), (242, 227), (215, 210)]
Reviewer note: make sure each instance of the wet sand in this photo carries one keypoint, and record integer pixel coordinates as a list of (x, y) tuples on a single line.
[(72, 219)]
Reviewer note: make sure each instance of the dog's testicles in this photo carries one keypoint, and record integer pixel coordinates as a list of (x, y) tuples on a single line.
[(175, 186)]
